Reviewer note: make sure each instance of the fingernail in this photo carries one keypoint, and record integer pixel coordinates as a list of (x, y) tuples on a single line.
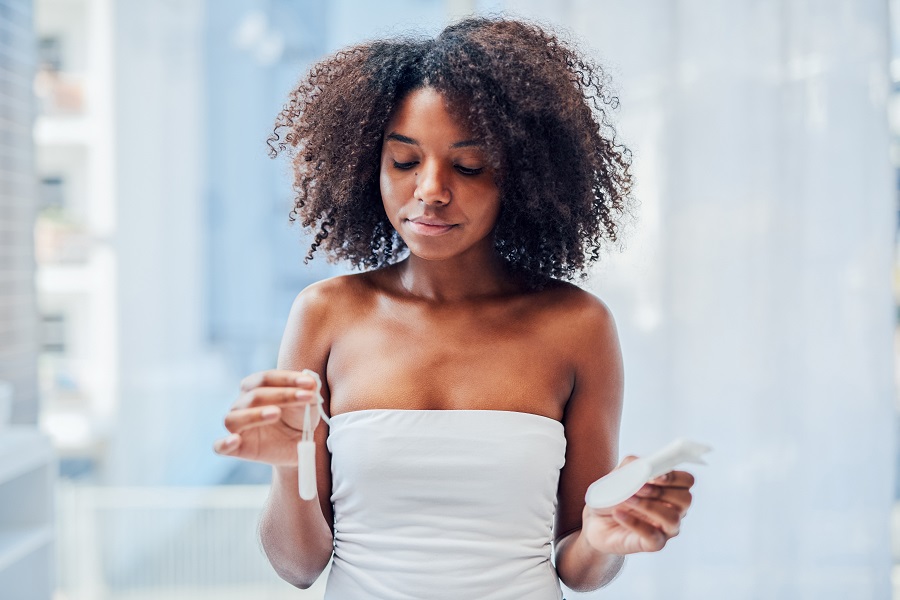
[(306, 382), (302, 395), (269, 412), (231, 440)]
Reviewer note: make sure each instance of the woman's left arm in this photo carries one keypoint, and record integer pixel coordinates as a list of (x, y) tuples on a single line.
[(590, 543)]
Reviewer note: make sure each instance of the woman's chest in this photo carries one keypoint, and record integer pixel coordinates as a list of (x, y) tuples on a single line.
[(449, 361)]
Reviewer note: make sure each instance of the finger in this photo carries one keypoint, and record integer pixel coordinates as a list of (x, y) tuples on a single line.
[(653, 539), (660, 514), (679, 497), (277, 378), (228, 445), (267, 396), (681, 479), (237, 421), (628, 459)]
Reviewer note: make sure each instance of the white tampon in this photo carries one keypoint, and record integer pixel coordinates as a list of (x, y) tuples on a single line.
[(621, 484), (306, 447)]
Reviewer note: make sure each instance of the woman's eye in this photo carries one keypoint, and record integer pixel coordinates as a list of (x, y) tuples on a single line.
[(404, 165), (469, 170)]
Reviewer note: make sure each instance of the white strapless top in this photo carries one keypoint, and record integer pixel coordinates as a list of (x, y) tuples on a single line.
[(433, 504)]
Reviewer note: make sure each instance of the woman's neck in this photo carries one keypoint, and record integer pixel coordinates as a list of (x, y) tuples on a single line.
[(458, 279)]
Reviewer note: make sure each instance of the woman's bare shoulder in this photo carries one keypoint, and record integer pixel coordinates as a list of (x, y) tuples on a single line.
[(335, 298), (318, 316), (572, 304), (341, 288)]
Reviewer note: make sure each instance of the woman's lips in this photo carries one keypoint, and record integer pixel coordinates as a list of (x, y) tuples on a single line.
[(426, 228)]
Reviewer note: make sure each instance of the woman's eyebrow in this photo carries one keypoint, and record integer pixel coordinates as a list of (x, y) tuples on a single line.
[(397, 137), (402, 139)]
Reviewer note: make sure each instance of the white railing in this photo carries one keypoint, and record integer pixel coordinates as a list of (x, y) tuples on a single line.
[(173, 543)]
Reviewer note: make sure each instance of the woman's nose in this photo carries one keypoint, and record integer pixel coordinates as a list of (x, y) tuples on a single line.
[(431, 184)]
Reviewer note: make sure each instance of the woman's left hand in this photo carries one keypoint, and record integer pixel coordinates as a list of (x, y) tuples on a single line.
[(644, 522)]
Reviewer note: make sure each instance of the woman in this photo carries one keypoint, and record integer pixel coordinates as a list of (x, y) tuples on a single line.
[(474, 395)]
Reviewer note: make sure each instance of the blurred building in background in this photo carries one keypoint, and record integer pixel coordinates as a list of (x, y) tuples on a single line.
[(19, 334), (165, 267), (75, 228), (27, 466)]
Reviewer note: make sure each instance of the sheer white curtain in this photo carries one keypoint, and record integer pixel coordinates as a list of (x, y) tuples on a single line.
[(754, 300)]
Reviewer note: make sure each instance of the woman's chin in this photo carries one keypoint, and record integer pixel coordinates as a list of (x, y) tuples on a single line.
[(437, 250), (430, 249), (431, 255)]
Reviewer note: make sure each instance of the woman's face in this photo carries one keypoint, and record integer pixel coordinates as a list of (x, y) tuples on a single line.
[(437, 186)]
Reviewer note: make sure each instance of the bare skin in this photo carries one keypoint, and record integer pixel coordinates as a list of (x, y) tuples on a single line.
[(449, 328)]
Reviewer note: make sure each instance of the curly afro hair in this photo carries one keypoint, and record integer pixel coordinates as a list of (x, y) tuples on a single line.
[(538, 106)]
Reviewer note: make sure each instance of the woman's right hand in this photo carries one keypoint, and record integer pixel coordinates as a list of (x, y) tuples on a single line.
[(266, 421)]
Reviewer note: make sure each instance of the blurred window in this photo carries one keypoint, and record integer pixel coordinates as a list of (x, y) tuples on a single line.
[(50, 53), (52, 192), (53, 333)]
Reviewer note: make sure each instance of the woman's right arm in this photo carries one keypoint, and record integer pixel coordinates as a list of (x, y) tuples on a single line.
[(266, 423)]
